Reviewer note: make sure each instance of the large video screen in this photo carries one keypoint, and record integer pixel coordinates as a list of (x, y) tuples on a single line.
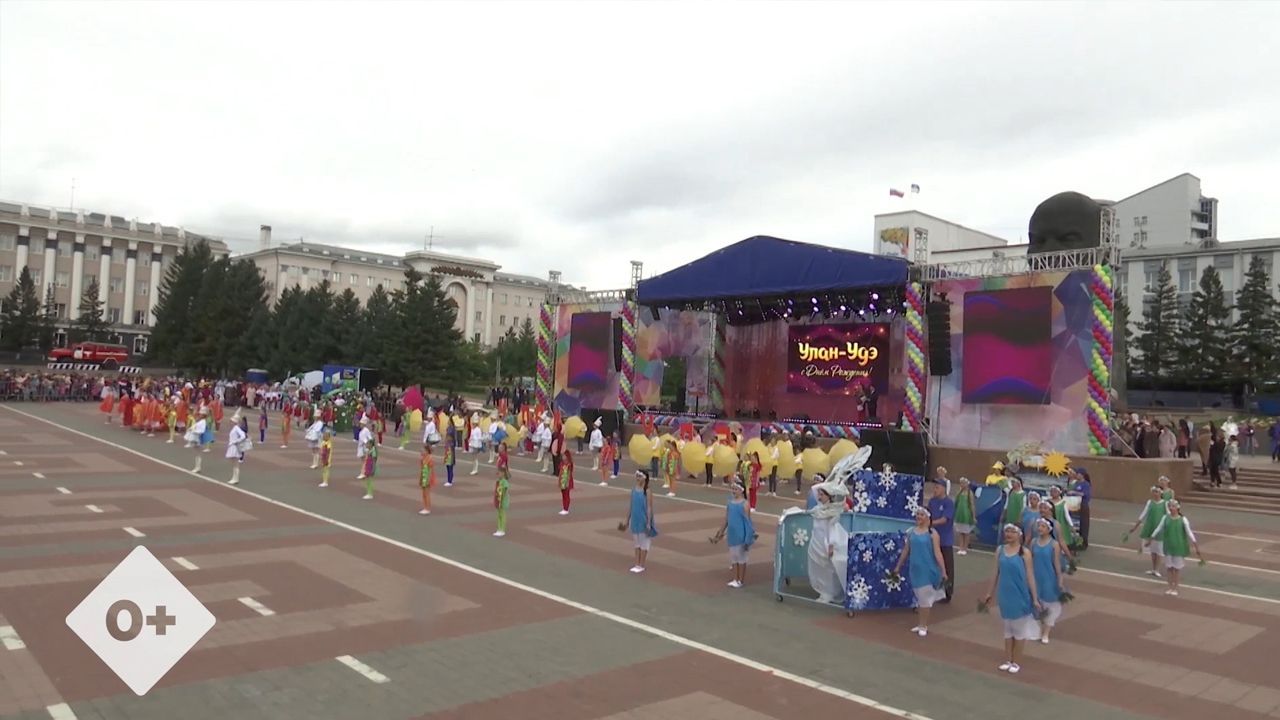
[(837, 359), (590, 348), (1008, 346)]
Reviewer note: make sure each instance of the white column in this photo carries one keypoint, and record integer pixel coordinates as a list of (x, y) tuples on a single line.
[(50, 264), (130, 275), (488, 316), (469, 322), (77, 276), (24, 247), (154, 289), (104, 275)]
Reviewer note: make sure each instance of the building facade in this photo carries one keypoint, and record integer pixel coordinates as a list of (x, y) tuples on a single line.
[(1170, 214), (70, 250)]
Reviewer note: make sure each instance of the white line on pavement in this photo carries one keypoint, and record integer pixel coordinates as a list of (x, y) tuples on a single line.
[(369, 673), (61, 711), (1272, 541), (64, 491), (256, 606), (183, 562), (39, 476), (9, 638), (560, 599), (94, 508), (135, 532), (18, 463)]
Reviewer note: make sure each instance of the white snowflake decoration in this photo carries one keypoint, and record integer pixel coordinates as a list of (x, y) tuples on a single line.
[(882, 502), (893, 582), (866, 556), (889, 480), (916, 487), (859, 487), (861, 502), (859, 591), (890, 545), (800, 537), (912, 505)]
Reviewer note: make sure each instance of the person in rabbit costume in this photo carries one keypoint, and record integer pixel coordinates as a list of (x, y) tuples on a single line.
[(829, 541)]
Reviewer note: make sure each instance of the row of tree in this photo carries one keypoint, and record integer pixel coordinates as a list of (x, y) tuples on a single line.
[(27, 322), (216, 316), (1201, 344)]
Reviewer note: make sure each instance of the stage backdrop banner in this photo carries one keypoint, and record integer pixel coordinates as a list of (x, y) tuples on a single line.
[(837, 359)]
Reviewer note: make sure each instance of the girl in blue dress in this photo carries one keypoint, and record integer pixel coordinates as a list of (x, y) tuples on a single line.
[(742, 533), (639, 521), (1014, 587), (1046, 558), (926, 569)]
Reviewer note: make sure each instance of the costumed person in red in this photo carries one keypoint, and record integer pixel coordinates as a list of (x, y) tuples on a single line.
[(216, 411), (753, 488), (126, 410), (108, 401), (566, 480), (608, 454), (504, 460), (286, 424)]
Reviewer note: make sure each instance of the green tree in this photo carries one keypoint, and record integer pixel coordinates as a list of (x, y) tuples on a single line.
[(1204, 350), (90, 325), (21, 319), (348, 331), (1255, 335), (429, 344), (171, 335), (380, 331), (289, 328), (1160, 327), (223, 315), (48, 324), (320, 338), (1122, 356)]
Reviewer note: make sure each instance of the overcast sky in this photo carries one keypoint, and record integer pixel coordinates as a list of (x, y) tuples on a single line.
[(579, 136)]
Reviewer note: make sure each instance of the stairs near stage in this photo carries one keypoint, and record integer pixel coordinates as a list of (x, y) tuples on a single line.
[(1258, 491)]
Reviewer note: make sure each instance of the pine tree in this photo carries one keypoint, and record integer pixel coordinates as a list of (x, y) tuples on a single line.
[(48, 324), (380, 331), (430, 345), (1122, 354), (1160, 328), (171, 335), (1204, 349), (348, 331), (20, 322), (1254, 335), (90, 325)]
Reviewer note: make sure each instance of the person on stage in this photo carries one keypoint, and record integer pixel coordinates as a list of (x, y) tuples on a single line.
[(926, 570), (237, 445), (1176, 539), (326, 456), (829, 543), (566, 480), (1149, 519), (966, 516), (596, 445), (313, 436), (1014, 588), (639, 521), (740, 531), (1046, 560), (426, 477)]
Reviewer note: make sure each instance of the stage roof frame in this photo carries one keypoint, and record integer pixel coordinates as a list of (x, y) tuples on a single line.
[(764, 266)]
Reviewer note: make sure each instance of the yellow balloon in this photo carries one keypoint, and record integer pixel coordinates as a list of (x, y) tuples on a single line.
[(841, 449), (814, 461), (415, 420), (724, 461), (513, 438), (640, 450), (694, 457), (485, 424), (574, 428), (756, 445), (786, 460)]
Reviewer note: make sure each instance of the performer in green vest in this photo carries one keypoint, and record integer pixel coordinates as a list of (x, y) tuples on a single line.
[(1063, 517), (1174, 533), (1014, 504), (1152, 513), (966, 516)]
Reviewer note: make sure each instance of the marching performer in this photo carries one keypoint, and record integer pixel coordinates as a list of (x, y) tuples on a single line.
[(237, 444), (326, 456), (566, 480), (596, 444), (607, 462), (742, 534), (262, 425), (286, 424), (670, 467), (927, 572), (1014, 588), (313, 436), (370, 460), (966, 515), (426, 477), (171, 419), (450, 459), (475, 442), (364, 439), (1175, 536), (502, 501), (1152, 513), (196, 434), (108, 401), (1046, 560), (639, 520)]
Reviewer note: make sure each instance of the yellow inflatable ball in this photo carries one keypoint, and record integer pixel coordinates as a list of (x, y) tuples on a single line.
[(415, 420), (694, 458), (574, 428), (814, 461), (724, 461), (485, 424), (514, 437), (841, 449), (786, 460), (640, 450), (756, 445)]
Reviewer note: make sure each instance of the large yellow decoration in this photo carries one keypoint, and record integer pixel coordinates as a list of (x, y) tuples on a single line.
[(756, 445), (513, 438), (640, 450), (415, 420), (841, 449), (694, 458), (814, 461), (485, 425), (786, 460), (574, 428), (724, 461), (1056, 464)]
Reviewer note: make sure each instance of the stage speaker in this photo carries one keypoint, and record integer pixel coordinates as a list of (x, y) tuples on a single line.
[(906, 451), (617, 343), (938, 316), (370, 378)]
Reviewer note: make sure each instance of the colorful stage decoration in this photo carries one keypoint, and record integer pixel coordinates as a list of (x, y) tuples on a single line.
[(627, 374), (887, 493), (913, 402), (837, 359), (1008, 346), (716, 379), (543, 381), (1098, 411)]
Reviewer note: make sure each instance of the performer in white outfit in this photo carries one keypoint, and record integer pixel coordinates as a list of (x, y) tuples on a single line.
[(476, 442), (537, 439), (237, 444), (596, 443), (195, 433), (544, 443), (829, 543), (314, 435), (366, 437), (430, 433), (487, 436)]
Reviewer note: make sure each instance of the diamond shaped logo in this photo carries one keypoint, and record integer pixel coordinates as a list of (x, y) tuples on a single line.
[(141, 620)]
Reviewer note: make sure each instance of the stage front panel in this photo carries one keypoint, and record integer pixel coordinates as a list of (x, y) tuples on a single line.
[(1008, 346)]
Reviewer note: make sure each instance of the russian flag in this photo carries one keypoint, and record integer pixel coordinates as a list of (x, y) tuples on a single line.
[(896, 193)]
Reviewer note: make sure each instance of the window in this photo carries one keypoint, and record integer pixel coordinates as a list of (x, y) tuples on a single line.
[(60, 338), (59, 310), (115, 285), (324, 274), (306, 271), (479, 316), (502, 320), (293, 270), (113, 315), (354, 279), (140, 345), (36, 276), (37, 245), (368, 281), (6, 273), (1186, 279), (7, 242), (62, 278), (476, 337), (90, 252), (1144, 219), (530, 302), (1136, 220), (502, 298), (117, 257), (64, 249), (90, 279), (1267, 262), (1224, 262), (142, 287), (139, 317)]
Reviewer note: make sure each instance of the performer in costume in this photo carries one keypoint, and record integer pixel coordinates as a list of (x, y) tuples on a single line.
[(262, 426), (607, 453), (1175, 536), (926, 570), (426, 477), (237, 445), (216, 410), (829, 543), (370, 461), (754, 468), (1015, 502), (496, 436), (501, 502), (617, 455), (775, 453), (1014, 587), (1029, 517), (430, 432), (449, 460), (544, 442), (1164, 483), (596, 444), (326, 456), (286, 424), (670, 467), (126, 410), (364, 439), (313, 436), (196, 434), (1063, 516), (1152, 513), (566, 480), (1046, 559), (639, 521), (475, 441), (171, 419), (108, 403), (504, 461), (966, 516), (741, 532), (207, 439)]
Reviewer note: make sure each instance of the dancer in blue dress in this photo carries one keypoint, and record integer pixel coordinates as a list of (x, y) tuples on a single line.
[(1046, 558), (742, 533), (1014, 587), (639, 520), (926, 570)]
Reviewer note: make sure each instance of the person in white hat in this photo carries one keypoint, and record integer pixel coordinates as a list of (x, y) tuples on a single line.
[(543, 430), (475, 443), (597, 442), (196, 434), (829, 543), (314, 435), (237, 444), (363, 441)]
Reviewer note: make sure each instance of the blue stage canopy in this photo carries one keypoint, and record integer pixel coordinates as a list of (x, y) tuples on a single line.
[(765, 266)]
